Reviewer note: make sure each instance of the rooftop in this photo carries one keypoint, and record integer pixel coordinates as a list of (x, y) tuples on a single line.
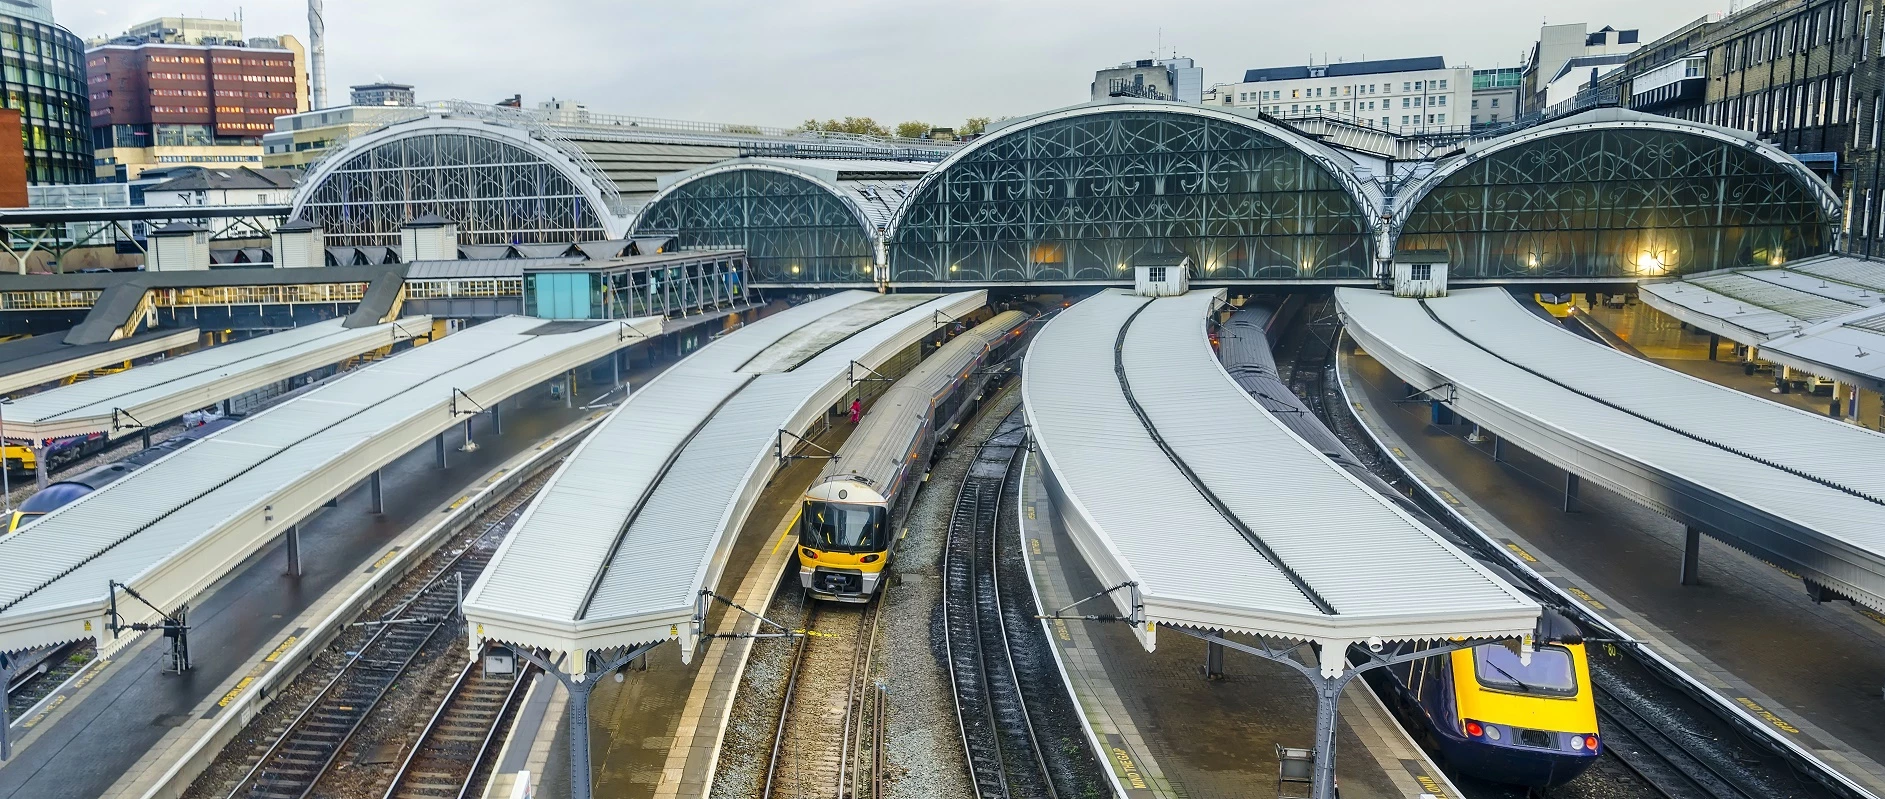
[(1345, 69)]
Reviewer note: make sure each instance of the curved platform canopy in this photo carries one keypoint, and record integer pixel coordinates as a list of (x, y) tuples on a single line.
[(129, 401), (1796, 488), (1612, 193), (1824, 316), (175, 527), (1175, 482), (1079, 194), (618, 547), (800, 220)]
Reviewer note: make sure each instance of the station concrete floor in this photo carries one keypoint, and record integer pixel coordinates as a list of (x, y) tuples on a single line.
[(90, 742), (1167, 732), (1665, 340), (1749, 630)]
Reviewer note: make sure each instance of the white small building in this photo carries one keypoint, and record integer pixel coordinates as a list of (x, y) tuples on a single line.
[(1401, 95), (238, 186)]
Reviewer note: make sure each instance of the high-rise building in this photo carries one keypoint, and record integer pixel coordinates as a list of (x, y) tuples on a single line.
[(382, 94), (1568, 57), (1496, 96), (1404, 95), (44, 80), (1173, 78), (301, 139), (159, 103)]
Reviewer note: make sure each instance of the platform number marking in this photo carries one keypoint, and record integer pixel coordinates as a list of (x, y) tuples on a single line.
[(1768, 715)]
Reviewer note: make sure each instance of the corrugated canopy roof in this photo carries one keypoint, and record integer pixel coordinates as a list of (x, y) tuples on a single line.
[(1344, 564)]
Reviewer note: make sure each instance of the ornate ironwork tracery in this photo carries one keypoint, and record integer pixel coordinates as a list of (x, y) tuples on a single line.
[(1080, 198), (1617, 203)]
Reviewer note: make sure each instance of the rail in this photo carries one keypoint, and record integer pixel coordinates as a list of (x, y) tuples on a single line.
[(1003, 753), (305, 752), (457, 741)]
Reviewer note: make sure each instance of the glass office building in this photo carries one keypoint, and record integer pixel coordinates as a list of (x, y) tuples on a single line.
[(42, 76)]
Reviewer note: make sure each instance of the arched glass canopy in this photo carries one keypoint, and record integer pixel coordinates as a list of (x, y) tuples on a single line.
[(1081, 194), (497, 191), (794, 229), (1616, 202)]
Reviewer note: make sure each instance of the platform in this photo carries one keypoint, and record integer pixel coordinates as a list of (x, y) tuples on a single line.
[(112, 734), (1165, 731), (619, 545), (36, 361), (1126, 400), (1822, 315), (1794, 487), (132, 400), (175, 527), (1809, 671)]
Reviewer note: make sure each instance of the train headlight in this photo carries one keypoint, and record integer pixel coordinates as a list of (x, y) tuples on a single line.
[(1473, 729), (1492, 732), (871, 558), (1577, 742), (809, 553), (1590, 742)]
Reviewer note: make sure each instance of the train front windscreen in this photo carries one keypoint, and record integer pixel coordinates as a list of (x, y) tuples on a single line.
[(842, 527)]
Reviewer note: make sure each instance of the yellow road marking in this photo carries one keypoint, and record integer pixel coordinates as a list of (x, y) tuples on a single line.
[(1520, 552), (1448, 496), (233, 692), (1588, 599), (1398, 453), (384, 559), (793, 525), (281, 650), (1768, 715)]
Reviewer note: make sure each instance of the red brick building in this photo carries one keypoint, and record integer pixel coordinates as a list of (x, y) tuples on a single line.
[(172, 104)]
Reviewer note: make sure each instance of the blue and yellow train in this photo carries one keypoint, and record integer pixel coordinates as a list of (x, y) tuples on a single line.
[(845, 522), (1484, 711), (1489, 713)]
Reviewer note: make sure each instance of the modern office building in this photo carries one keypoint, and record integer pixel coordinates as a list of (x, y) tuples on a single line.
[(1496, 96), (157, 103), (1559, 45), (383, 94), (1172, 78), (301, 139), (44, 80), (1403, 95)]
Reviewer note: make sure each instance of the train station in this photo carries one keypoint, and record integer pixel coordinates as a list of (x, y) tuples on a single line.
[(1133, 448)]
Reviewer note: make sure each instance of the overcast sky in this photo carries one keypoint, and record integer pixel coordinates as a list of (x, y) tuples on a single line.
[(777, 62)]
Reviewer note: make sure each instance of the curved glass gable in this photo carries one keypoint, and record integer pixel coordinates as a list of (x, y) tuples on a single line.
[(793, 229), (497, 192), (1624, 203), (1082, 197)]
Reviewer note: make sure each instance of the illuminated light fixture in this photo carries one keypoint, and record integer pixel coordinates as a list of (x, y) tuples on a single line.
[(1531, 260), (952, 267), (795, 270), (1778, 259)]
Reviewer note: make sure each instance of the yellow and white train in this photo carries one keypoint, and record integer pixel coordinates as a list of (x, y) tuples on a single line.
[(845, 525)]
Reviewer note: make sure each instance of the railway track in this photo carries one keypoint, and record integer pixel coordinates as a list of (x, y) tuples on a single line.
[(831, 710), (304, 749), (1657, 734), (451, 758), (998, 736)]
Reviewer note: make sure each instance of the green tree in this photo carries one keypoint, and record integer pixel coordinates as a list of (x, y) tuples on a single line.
[(913, 129), (973, 126), (862, 126)]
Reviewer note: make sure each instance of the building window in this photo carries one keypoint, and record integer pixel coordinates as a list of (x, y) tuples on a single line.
[(1865, 35), (1475, 102), (1865, 228), (1155, 274), (1443, 99), (1420, 271), (1495, 102), (1407, 86)]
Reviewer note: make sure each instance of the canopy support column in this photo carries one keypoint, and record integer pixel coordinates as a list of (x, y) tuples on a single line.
[(6, 715), (378, 499), (1570, 491), (579, 684), (39, 466), (438, 446), (497, 419), (1329, 673), (293, 537), (1692, 556)]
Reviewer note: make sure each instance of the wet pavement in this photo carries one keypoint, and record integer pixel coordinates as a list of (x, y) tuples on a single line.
[(1665, 340), (1813, 671), (1165, 731)]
